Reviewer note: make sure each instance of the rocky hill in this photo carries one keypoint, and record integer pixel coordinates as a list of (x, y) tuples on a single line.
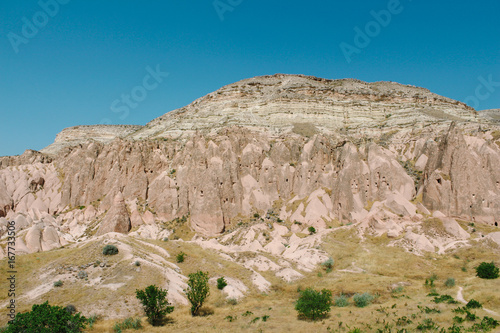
[(251, 167)]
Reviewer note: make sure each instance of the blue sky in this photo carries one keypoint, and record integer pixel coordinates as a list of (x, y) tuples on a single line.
[(81, 59)]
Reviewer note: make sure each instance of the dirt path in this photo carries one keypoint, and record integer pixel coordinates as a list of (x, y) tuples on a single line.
[(460, 298)]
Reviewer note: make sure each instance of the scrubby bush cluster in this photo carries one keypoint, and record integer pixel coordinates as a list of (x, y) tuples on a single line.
[(45, 318)]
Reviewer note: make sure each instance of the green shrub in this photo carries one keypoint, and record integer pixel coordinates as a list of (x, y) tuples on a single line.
[(137, 263), (231, 318), (129, 323), (221, 283), (180, 257), (91, 320), (487, 270), (328, 265), (430, 281), (444, 299), (314, 304), (82, 275), (362, 300), (487, 324), (155, 304), (197, 291), (427, 324), (58, 283), (311, 230), (44, 318), (450, 282), (473, 304), (110, 250), (256, 215), (341, 301)]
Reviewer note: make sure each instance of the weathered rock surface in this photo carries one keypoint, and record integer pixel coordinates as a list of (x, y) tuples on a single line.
[(117, 218), (312, 150)]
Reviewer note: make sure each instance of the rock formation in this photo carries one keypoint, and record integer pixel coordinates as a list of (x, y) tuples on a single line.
[(295, 148)]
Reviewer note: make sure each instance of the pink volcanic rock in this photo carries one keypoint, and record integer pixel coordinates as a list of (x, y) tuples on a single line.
[(117, 218)]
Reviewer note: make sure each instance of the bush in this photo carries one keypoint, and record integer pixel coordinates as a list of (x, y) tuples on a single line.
[(137, 263), (362, 300), (473, 304), (314, 304), (430, 281), (450, 282), (197, 291), (221, 283), (311, 230), (180, 257), (155, 304), (44, 318), (328, 265), (127, 324), (341, 301), (110, 250), (58, 283), (487, 270), (82, 275), (444, 299), (91, 320)]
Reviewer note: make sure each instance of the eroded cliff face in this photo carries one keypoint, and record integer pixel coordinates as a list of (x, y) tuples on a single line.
[(218, 178)]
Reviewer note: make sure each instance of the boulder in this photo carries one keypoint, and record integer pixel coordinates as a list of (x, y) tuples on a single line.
[(420, 242), (399, 205), (453, 228)]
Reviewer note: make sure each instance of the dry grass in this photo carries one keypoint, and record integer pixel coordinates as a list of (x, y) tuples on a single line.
[(380, 268)]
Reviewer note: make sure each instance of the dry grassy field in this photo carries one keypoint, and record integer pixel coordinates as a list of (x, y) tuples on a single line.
[(395, 277)]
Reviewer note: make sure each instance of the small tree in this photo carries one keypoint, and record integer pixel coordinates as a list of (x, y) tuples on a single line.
[(155, 304), (197, 291), (311, 230), (314, 304), (487, 270), (221, 283), (44, 318)]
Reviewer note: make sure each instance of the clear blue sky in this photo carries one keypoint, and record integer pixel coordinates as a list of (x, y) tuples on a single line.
[(90, 53)]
